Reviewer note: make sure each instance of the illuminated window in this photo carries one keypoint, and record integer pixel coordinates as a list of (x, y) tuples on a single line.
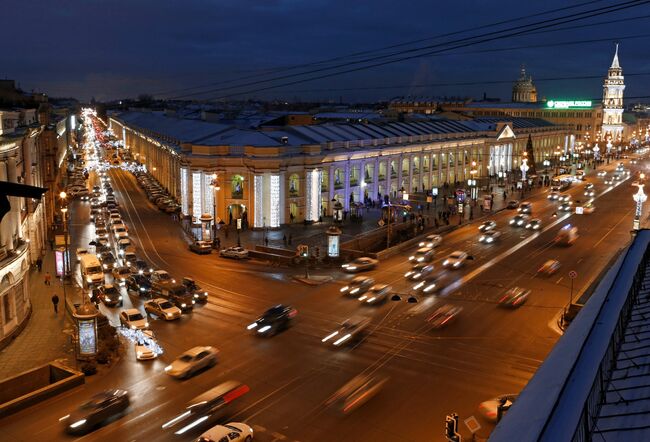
[(185, 197), (294, 185), (237, 190), (258, 200), (208, 194)]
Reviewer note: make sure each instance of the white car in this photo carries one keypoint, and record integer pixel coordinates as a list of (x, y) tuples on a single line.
[(233, 431), (192, 361), (162, 308), (120, 274), (358, 286), (419, 271), (431, 241), (554, 196), (455, 260), (143, 352), (487, 225), (602, 173), (534, 224), (133, 319), (160, 276), (234, 252), (359, 264), (423, 254), (120, 232)]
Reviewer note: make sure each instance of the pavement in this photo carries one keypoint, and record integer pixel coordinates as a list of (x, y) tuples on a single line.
[(46, 337)]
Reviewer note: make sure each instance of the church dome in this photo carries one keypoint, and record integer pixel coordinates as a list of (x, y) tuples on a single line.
[(524, 90)]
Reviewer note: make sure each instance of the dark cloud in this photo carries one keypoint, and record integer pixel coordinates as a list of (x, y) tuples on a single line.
[(123, 48)]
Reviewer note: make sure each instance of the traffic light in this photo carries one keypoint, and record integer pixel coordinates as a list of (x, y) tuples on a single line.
[(451, 428)]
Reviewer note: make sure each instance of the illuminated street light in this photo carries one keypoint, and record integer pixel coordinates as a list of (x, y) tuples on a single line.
[(639, 197)]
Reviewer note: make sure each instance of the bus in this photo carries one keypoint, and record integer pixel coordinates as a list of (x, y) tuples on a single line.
[(561, 182)]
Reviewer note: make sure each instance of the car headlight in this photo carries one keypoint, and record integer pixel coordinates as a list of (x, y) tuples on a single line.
[(139, 354), (411, 258), (193, 301), (353, 291), (457, 264), (429, 288), (343, 289), (142, 289), (146, 324), (89, 279), (352, 268), (205, 293), (183, 305), (251, 326), (78, 423), (168, 368), (264, 329), (133, 327), (512, 221), (105, 266), (490, 239), (169, 315), (445, 262), (482, 238), (418, 286)]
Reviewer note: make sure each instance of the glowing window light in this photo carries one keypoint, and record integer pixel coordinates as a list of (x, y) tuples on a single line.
[(196, 194), (275, 201), (258, 201)]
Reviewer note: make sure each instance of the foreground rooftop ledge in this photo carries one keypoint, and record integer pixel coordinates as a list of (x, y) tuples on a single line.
[(551, 406)]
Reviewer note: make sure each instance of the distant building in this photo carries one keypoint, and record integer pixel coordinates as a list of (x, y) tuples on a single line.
[(613, 88), (524, 91)]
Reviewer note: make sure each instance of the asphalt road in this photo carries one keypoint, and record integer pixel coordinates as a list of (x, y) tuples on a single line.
[(488, 351)]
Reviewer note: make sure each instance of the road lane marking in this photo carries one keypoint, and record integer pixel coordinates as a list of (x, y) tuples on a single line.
[(558, 281)]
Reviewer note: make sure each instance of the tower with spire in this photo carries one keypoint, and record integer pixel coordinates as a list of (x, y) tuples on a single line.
[(524, 91), (613, 88)]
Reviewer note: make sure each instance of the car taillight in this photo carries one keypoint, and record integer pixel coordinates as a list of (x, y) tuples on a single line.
[(234, 394)]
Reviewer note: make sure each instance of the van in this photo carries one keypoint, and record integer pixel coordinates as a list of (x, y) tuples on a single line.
[(209, 406), (91, 270)]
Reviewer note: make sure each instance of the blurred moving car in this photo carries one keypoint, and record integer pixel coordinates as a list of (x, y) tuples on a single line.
[(423, 254), (109, 295), (534, 224), (101, 407), (431, 241), (230, 432), (567, 235), (602, 173), (163, 309), (211, 405), (566, 207), (590, 193), (234, 252), (489, 237), (487, 225), (356, 392), (419, 271), (519, 220), (586, 209), (514, 297), (444, 315), (350, 330), (193, 360), (357, 286), (430, 283), (525, 207), (133, 319), (274, 320), (456, 259), (360, 264), (488, 409), (377, 294), (549, 267), (564, 197), (553, 196), (120, 274)]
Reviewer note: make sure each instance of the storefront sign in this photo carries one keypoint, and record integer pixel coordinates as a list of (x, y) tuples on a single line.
[(58, 254), (570, 104), (87, 337)]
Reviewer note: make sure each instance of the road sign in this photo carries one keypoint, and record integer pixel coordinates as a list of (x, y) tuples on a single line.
[(472, 424), (573, 274)]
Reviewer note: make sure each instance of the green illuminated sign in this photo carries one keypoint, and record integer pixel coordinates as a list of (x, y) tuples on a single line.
[(570, 104)]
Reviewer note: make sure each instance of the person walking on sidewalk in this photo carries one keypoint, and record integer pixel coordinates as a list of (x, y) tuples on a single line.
[(55, 303), (39, 263), (47, 279)]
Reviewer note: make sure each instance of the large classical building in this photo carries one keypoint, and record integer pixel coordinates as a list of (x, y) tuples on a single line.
[(524, 91), (273, 175), (613, 88)]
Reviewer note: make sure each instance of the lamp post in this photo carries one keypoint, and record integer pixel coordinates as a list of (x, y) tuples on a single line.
[(66, 260), (214, 185), (639, 197)]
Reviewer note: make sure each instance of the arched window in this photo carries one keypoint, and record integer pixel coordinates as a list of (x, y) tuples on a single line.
[(339, 179), (324, 180), (294, 185), (237, 187)]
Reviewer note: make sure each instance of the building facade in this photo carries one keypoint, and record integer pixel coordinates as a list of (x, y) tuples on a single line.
[(292, 174), (613, 88)]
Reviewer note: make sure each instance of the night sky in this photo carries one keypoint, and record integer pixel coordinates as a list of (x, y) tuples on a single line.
[(123, 48)]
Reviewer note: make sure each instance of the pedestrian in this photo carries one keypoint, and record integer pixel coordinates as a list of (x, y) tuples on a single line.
[(291, 217), (39, 263), (266, 241), (47, 279), (218, 243), (284, 239), (505, 195), (55, 303), (51, 241)]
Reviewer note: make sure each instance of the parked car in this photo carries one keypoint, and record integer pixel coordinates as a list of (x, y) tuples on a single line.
[(201, 247), (109, 295), (234, 252), (138, 283)]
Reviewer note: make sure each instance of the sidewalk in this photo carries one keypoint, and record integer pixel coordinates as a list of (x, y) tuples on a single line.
[(43, 340), (314, 234)]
